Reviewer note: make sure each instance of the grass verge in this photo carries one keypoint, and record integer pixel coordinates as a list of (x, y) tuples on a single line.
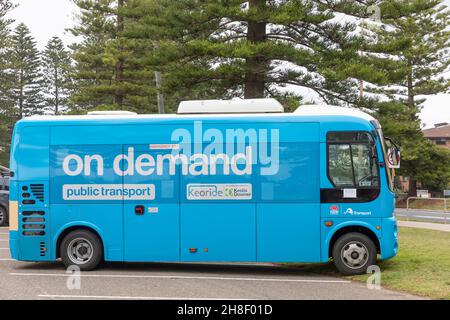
[(422, 266)]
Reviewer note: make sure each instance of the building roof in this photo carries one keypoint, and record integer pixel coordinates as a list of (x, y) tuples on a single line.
[(440, 131)]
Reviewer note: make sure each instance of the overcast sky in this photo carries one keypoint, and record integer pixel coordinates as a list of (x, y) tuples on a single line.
[(48, 18)]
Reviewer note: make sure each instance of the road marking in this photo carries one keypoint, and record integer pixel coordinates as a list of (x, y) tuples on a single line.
[(4, 248), (178, 277), (65, 296), (7, 260), (437, 216)]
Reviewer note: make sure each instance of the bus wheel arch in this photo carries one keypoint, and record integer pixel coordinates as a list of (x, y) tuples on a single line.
[(353, 229), (73, 228)]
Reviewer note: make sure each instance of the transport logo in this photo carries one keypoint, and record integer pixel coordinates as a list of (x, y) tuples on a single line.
[(352, 212), (219, 192), (334, 210)]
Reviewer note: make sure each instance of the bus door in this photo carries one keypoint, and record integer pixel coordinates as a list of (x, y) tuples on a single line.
[(151, 214), (351, 187), (218, 216), (289, 212)]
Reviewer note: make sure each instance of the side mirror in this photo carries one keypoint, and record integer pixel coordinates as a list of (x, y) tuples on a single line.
[(394, 158)]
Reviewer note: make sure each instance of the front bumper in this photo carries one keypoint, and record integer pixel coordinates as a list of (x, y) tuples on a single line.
[(389, 238)]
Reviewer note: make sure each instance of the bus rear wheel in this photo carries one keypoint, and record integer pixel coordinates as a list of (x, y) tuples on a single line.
[(81, 248), (353, 253)]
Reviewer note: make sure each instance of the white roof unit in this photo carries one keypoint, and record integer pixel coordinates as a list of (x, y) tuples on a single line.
[(112, 113), (329, 110), (235, 105)]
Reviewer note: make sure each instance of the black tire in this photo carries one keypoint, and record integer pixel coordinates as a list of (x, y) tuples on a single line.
[(354, 243), (90, 250), (3, 217)]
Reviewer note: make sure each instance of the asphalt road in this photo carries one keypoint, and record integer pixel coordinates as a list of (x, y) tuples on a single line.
[(424, 215), (155, 281)]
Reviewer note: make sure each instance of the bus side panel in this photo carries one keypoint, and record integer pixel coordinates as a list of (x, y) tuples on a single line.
[(288, 233), (219, 232), (104, 219), (289, 211), (33, 194), (33, 157), (13, 197), (154, 234), (73, 204)]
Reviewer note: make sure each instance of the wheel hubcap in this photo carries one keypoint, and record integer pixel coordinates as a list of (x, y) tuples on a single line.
[(80, 251), (355, 255)]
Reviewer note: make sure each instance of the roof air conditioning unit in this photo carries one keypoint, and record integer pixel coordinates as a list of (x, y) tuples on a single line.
[(235, 105)]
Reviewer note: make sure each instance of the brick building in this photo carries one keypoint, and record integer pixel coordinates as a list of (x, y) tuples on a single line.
[(440, 134)]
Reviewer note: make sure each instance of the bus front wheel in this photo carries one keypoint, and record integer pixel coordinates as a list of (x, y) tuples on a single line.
[(82, 249), (353, 253)]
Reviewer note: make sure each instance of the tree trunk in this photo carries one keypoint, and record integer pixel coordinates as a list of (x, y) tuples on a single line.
[(257, 66), (56, 91), (21, 95), (412, 192), (411, 101), (119, 96)]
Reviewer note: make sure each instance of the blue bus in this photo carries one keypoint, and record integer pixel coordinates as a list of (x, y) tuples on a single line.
[(221, 181)]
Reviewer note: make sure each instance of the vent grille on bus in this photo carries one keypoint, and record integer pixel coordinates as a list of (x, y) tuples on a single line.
[(33, 223), (33, 213), (42, 249), (38, 191)]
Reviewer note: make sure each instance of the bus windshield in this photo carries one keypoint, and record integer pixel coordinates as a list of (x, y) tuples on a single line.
[(379, 131)]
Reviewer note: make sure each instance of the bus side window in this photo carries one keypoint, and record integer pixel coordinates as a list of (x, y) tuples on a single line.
[(352, 160), (340, 165)]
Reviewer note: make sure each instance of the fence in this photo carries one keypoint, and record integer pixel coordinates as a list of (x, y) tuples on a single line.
[(426, 209)]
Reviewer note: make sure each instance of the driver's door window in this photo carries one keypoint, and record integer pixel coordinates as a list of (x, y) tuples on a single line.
[(363, 163), (340, 165), (352, 160)]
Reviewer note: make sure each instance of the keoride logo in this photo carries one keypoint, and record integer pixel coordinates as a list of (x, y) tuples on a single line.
[(219, 192)]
